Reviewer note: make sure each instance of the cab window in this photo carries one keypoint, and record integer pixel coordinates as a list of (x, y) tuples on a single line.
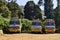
[(14, 22), (36, 23), (49, 24)]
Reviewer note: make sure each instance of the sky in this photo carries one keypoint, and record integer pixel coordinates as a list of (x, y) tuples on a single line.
[(23, 2)]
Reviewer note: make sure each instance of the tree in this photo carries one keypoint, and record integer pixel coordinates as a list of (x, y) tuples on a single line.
[(32, 11), (57, 15), (14, 8), (48, 9), (4, 11), (40, 2)]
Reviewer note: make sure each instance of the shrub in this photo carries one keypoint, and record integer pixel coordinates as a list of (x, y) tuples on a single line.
[(4, 23), (26, 25)]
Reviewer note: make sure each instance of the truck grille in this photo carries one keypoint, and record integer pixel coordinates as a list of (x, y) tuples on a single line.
[(50, 28), (36, 28)]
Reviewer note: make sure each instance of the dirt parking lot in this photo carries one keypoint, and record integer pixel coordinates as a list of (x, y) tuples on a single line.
[(26, 36)]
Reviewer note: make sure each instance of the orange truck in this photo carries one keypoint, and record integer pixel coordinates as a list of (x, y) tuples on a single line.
[(50, 26), (36, 26)]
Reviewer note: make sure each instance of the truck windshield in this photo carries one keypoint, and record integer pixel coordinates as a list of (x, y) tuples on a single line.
[(17, 22), (11, 22), (36, 23), (14, 22), (50, 24)]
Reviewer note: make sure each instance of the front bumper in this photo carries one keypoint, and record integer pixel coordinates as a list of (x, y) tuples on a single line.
[(36, 31), (14, 30), (50, 31)]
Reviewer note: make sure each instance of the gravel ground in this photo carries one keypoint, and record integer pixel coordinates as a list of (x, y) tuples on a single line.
[(26, 36)]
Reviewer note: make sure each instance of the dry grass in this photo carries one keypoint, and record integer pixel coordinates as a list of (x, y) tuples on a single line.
[(29, 36)]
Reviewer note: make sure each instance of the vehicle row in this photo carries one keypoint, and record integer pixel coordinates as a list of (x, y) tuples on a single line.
[(36, 26)]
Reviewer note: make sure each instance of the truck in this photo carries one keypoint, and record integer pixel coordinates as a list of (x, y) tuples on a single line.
[(14, 25), (50, 26), (36, 26)]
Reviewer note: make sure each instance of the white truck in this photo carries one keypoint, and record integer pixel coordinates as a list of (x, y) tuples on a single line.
[(50, 26), (36, 26), (14, 25)]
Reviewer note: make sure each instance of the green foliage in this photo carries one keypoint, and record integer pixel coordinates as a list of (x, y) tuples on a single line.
[(14, 8), (43, 25), (4, 9), (4, 23), (26, 25), (1, 23), (6, 13)]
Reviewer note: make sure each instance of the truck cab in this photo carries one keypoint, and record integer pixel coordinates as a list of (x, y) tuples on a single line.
[(36, 26), (50, 26)]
